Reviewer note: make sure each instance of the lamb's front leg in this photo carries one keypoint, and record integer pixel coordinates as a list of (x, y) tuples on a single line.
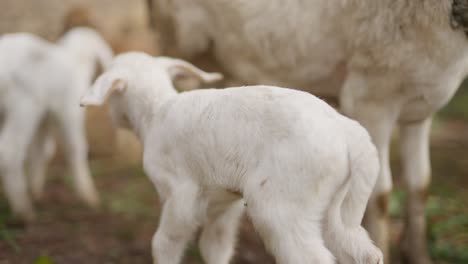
[(219, 233), (180, 218)]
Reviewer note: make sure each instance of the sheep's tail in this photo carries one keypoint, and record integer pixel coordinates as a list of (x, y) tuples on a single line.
[(364, 169), (347, 207), (334, 220), (363, 163)]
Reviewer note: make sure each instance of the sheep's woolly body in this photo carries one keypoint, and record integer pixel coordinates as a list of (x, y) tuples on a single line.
[(258, 43), (226, 134)]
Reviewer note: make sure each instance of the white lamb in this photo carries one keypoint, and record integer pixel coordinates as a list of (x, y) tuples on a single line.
[(40, 86), (303, 172), (392, 63)]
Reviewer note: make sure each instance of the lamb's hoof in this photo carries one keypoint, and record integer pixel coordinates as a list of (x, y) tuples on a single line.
[(92, 200), (16, 222), (374, 257), (23, 217)]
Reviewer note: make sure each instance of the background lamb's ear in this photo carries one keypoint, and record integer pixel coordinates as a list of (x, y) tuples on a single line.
[(186, 75), (104, 86)]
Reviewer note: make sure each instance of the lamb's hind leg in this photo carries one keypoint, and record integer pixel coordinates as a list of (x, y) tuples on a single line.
[(16, 135), (343, 232), (289, 232), (218, 237), (41, 151), (180, 218)]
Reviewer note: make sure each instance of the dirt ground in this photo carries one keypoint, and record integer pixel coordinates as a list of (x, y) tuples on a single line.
[(120, 232)]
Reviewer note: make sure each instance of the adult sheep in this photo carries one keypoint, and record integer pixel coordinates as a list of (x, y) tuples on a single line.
[(391, 63)]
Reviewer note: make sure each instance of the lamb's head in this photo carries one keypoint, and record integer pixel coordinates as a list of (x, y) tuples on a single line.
[(135, 83), (459, 16)]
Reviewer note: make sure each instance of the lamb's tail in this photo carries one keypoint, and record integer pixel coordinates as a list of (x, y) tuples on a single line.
[(347, 207), (334, 223)]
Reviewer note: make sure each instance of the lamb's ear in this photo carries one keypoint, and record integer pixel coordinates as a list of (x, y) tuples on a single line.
[(102, 88), (186, 74)]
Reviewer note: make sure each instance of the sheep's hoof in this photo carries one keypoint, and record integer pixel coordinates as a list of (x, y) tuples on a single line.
[(413, 250), (38, 196), (411, 257), (415, 258)]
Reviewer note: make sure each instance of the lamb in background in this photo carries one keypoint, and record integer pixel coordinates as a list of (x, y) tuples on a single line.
[(391, 63), (120, 40), (40, 87), (304, 172)]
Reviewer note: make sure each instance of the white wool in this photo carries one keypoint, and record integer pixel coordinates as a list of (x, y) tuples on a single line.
[(304, 171), (392, 63), (40, 86)]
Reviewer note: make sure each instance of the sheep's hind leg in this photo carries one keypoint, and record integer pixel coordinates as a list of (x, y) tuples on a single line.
[(41, 151), (289, 232), (417, 175), (181, 215), (342, 230), (17, 133), (218, 237), (351, 244)]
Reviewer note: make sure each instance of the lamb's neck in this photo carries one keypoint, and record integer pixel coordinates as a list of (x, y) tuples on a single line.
[(143, 107)]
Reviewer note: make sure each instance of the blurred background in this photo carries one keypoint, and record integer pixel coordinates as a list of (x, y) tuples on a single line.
[(120, 232)]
